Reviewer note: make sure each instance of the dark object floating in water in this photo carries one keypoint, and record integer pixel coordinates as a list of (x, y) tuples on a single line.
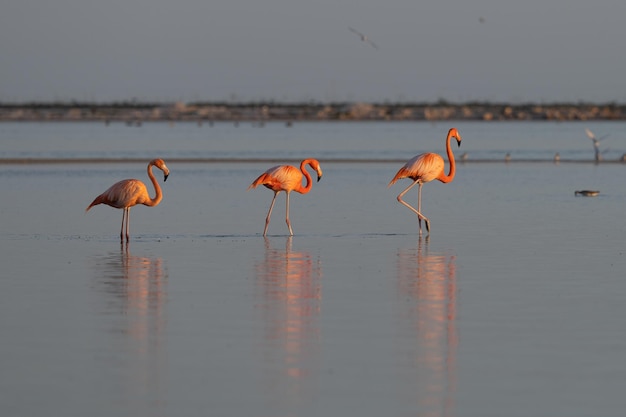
[(587, 193)]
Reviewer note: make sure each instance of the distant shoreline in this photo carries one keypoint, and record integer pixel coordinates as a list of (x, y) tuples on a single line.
[(261, 112)]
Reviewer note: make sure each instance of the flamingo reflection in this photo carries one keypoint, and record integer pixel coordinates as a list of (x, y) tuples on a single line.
[(134, 289), (427, 292), (289, 288)]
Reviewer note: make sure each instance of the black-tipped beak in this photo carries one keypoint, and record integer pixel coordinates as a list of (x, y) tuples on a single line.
[(319, 177), (165, 177)]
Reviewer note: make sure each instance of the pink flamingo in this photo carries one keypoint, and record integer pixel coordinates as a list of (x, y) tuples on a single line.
[(286, 178), (127, 193), (424, 168)]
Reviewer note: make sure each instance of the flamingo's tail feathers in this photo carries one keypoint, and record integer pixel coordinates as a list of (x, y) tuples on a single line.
[(253, 185), (402, 173), (98, 200), (259, 181)]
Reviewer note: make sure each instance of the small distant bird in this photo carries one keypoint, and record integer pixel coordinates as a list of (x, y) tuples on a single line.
[(127, 193), (507, 157), (286, 178), (364, 38), (424, 168), (596, 144), (557, 157), (587, 193)]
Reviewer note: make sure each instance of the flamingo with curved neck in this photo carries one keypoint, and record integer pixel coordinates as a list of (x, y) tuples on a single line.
[(424, 168), (287, 178), (127, 193)]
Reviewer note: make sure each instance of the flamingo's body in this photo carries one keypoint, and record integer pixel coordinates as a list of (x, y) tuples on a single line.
[(286, 178), (424, 168), (127, 193)]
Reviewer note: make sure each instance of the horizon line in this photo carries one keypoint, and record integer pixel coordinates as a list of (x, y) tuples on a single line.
[(288, 103)]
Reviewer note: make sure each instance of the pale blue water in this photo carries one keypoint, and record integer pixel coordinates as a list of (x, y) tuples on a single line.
[(512, 307), (330, 141)]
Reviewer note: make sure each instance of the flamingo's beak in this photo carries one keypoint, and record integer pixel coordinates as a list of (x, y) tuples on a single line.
[(165, 176), (319, 176)]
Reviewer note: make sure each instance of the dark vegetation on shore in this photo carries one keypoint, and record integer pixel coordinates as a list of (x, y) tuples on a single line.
[(134, 111)]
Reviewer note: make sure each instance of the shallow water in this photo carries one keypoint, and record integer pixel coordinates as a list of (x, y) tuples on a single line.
[(512, 306), (324, 141)]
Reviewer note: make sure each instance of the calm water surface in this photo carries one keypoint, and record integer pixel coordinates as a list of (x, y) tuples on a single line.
[(329, 141), (513, 306)]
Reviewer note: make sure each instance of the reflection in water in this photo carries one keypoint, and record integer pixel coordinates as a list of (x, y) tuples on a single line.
[(289, 288), (427, 290), (134, 291)]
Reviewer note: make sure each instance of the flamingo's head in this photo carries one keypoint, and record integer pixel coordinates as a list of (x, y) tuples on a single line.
[(314, 163), (159, 163), (455, 134)]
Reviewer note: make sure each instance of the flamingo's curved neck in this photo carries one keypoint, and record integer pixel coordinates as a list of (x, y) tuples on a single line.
[(309, 182), (450, 176), (159, 195)]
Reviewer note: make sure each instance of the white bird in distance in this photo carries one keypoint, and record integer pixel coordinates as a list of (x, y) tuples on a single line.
[(596, 143), (364, 38)]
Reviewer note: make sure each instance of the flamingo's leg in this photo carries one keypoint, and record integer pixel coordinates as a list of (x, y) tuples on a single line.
[(287, 216), (127, 224), (269, 213), (419, 215), (419, 208), (123, 221)]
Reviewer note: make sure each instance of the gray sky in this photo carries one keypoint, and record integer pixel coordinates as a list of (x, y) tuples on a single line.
[(164, 50)]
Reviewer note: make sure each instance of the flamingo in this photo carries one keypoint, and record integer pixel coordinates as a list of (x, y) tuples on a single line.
[(127, 193), (424, 168), (286, 178)]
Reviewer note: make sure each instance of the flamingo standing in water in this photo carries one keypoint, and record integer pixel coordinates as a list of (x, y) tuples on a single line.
[(127, 193), (286, 178), (424, 168)]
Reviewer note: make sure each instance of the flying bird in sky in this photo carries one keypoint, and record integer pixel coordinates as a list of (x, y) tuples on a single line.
[(364, 38)]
